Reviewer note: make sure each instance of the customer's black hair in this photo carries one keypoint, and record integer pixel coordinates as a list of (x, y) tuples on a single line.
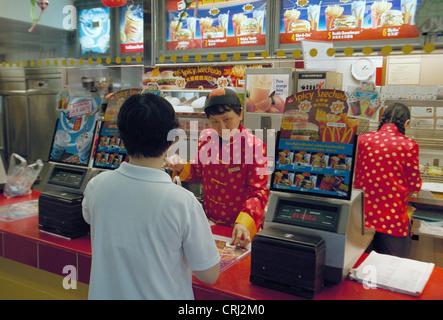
[(222, 108), (144, 121), (397, 114)]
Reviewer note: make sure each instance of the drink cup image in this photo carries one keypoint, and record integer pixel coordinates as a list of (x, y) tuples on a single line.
[(314, 16), (192, 22), (133, 26), (61, 140), (408, 8), (223, 23), (260, 87), (259, 15), (358, 11), (377, 9), (84, 143)]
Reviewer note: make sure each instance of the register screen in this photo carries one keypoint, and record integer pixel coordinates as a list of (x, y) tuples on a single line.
[(308, 215)]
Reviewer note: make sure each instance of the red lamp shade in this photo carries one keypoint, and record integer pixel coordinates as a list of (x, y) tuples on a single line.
[(114, 3)]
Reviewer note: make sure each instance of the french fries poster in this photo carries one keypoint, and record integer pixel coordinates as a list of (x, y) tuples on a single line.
[(316, 150)]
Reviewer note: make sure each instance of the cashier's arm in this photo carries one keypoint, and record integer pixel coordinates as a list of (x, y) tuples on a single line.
[(210, 275)]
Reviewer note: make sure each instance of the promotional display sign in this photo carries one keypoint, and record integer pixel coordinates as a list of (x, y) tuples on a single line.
[(267, 91), (215, 24), (316, 147), (94, 30), (110, 149), (131, 28), (352, 20), (199, 77), (75, 131)]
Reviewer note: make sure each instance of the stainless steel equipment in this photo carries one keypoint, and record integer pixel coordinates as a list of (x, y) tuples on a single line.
[(29, 99)]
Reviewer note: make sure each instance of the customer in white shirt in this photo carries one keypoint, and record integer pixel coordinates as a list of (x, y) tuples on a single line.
[(147, 233)]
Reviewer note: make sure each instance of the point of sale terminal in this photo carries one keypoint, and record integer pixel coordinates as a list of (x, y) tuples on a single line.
[(314, 229)]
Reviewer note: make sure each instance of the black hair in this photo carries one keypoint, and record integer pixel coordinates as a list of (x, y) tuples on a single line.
[(222, 108), (397, 114), (144, 121)]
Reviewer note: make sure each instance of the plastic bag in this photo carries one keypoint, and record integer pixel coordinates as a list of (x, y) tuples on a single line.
[(21, 176)]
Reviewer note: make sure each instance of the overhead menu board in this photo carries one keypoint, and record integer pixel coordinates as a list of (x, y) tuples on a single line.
[(335, 20), (215, 24)]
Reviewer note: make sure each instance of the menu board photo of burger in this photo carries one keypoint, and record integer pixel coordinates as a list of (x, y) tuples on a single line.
[(316, 145), (357, 20), (215, 24)]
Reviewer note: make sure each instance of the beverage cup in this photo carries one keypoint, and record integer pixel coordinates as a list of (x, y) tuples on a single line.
[(358, 11), (408, 8), (61, 140), (314, 16), (133, 26), (260, 87), (84, 143), (259, 15)]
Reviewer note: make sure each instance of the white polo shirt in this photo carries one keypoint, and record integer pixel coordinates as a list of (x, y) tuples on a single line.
[(147, 235)]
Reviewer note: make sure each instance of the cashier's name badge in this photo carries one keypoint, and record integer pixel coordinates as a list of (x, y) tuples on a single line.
[(235, 169)]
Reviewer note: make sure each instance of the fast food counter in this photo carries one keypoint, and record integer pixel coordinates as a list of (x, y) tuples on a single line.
[(32, 267)]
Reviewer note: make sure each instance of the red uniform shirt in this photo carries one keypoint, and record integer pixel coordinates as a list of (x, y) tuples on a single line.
[(234, 176), (387, 170)]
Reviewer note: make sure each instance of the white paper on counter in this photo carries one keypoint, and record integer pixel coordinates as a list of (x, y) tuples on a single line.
[(393, 273), (433, 186)]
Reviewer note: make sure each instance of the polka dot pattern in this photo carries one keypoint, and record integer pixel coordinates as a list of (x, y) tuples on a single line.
[(387, 170), (232, 180)]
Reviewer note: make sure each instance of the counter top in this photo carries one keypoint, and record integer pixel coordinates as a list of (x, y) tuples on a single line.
[(23, 242)]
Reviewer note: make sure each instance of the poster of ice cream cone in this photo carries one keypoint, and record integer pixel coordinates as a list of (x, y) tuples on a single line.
[(75, 130), (356, 20), (316, 145), (131, 28)]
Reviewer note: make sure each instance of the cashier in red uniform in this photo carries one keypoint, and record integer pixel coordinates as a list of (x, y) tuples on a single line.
[(232, 164)]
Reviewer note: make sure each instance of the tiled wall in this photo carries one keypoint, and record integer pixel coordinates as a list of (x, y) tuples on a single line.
[(33, 270)]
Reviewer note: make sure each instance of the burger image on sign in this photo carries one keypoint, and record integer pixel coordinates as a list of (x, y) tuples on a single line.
[(305, 131)]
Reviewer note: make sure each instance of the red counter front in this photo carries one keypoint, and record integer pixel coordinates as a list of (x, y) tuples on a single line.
[(21, 241)]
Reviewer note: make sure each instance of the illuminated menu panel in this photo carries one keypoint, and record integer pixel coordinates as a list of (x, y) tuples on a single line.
[(335, 20), (215, 24)]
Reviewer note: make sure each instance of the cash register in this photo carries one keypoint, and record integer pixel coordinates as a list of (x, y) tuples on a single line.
[(60, 203), (314, 229), (308, 241)]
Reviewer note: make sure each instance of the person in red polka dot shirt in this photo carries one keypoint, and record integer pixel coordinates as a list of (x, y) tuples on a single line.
[(232, 164), (387, 170)]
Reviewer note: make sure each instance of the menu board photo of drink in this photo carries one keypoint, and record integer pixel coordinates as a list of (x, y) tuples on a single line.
[(356, 20), (131, 28), (215, 24), (316, 145), (73, 138)]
